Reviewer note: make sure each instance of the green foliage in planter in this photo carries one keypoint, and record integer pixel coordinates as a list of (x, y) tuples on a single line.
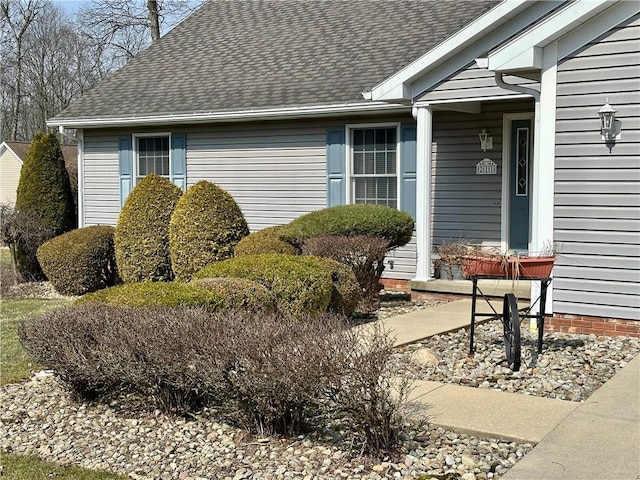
[(142, 232), (346, 293), (205, 227), (80, 261), (300, 285), (266, 240), (44, 195), (378, 221), (156, 294), (239, 293)]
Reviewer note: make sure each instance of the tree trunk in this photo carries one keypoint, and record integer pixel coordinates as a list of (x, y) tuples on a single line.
[(152, 8)]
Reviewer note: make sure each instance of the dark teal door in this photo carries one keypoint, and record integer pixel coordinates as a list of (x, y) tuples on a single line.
[(520, 185)]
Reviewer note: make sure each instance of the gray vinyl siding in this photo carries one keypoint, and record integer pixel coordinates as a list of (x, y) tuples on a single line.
[(473, 82), (465, 205), (276, 172), (101, 192), (597, 193)]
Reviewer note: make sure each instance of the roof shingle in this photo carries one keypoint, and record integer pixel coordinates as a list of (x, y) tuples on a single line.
[(254, 54)]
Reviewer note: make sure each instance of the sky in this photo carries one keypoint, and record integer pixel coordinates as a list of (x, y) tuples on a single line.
[(71, 6)]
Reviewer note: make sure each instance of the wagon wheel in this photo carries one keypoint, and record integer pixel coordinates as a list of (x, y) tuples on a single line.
[(511, 324)]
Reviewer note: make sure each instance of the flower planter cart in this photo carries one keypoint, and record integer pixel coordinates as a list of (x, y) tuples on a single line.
[(477, 268)]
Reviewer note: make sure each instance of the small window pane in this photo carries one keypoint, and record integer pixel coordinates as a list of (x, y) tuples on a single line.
[(358, 138), (358, 162), (153, 156)]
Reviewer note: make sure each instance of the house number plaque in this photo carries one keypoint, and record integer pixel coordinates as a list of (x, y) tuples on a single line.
[(486, 166)]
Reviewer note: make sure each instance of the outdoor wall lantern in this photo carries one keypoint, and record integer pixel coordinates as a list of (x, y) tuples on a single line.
[(610, 128), (486, 140)]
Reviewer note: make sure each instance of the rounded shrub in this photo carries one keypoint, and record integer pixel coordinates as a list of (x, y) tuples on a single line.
[(44, 198), (239, 293), (205, 227), (156, 294), (80, 261), (266, 240), (346, 293), (299, 285), (378, 221), (142, 231)]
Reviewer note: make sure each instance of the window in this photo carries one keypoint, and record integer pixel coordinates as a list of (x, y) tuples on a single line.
[(152, 156), (374, 162)]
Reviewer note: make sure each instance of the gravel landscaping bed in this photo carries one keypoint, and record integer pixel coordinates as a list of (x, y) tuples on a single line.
[(570, 367), (39, 417)]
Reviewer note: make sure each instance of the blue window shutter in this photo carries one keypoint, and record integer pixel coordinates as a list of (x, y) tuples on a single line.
[(408, 169), (125, 157), (336, 186), (179, 160)]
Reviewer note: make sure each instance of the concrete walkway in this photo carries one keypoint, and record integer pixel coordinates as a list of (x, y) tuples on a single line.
[(598, 439)]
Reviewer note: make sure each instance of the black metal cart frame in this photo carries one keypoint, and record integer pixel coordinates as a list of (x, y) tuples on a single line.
[(511, 317)]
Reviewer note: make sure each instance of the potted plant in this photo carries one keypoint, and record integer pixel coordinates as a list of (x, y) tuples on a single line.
[(450, 255), (510, 264)]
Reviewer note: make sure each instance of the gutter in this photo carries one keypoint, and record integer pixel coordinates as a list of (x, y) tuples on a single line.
[(285, 113)]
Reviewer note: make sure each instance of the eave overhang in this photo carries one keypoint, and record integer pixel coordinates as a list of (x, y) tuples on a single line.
[(284, 113)]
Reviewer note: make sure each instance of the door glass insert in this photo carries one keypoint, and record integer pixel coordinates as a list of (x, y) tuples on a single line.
[(522, 164)]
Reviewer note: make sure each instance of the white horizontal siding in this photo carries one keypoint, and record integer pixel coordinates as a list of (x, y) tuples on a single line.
[(597, 193)]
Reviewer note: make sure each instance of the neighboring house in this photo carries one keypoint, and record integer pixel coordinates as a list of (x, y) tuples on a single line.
[(293, 106), (13, 154)]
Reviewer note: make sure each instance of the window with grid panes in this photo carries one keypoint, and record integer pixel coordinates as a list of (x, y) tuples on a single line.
[(374, 165), (153, 156)]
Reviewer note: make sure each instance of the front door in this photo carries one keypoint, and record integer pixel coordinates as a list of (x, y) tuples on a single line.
[(520, 184)]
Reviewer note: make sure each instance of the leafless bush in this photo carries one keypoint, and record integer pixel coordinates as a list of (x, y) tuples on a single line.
[(23, 232), (262, 371), (364, 254)]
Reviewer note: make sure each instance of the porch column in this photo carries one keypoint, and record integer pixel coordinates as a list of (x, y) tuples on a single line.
[(544, 163), (424, 119)]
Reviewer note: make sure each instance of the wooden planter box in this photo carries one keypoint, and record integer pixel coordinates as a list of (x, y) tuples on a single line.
[(522, 267)]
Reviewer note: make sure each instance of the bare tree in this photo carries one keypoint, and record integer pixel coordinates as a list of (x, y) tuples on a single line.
[(17, 17), (127, 27)]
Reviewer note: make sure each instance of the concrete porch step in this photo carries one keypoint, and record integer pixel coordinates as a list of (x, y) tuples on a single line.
[(491, 288)]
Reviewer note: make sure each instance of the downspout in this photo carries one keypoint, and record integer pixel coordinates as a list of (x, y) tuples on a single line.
[(78, 137)]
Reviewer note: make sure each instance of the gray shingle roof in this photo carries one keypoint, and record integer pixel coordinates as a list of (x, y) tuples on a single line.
[(238, 55)]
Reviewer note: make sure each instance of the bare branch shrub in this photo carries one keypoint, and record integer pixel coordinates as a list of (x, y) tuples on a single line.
[(23, 232), (364, 254), (265, 372)]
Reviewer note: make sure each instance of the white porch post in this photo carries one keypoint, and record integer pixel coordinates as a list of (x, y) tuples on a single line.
[(544, 162), (424, 119)]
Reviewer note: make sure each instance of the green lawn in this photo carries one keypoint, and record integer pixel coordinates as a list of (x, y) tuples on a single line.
[(18, 467), (15, 363)]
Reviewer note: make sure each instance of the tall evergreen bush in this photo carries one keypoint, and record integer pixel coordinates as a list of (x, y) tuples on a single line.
[(43, 200)]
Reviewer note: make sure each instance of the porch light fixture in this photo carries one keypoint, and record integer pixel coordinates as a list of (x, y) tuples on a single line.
[(609, 126), (486, 140)]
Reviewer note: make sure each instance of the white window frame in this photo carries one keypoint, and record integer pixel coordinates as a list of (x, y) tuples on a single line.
[(134, 149), (349, 158)]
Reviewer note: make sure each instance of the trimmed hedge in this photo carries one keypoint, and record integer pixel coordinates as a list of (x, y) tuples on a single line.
[(300, 285), (142, 232), (346, 292), (204, 228), (378, 221), (80, 261), (266, 240), (156, 294), (239, 293), (43, 194)]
